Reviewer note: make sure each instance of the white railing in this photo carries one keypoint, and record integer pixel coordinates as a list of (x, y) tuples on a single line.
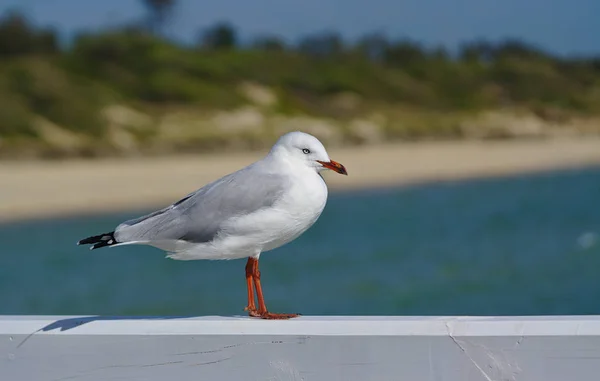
[(545, 348)]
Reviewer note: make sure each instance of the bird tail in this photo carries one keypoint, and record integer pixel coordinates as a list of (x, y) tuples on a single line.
[(98, 241)]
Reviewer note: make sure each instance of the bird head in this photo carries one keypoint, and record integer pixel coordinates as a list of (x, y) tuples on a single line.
[(303, 148)]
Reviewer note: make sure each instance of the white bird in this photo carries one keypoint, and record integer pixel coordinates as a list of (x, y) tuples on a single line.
[(255, 209)]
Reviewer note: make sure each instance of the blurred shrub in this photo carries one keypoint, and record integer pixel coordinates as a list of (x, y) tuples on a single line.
[(143, 66), (135, 66), (15, 118), (49, 92), (220, 36), (18, 37)]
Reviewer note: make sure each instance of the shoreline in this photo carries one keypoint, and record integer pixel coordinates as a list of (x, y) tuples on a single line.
[(46, 189)]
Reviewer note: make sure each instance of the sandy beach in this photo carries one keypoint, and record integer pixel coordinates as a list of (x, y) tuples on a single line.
[(46, 189)]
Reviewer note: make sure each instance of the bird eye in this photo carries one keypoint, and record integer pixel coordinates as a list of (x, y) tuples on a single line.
[(306, 151)]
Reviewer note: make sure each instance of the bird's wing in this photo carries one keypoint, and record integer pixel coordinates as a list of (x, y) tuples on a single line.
[(199, 216)]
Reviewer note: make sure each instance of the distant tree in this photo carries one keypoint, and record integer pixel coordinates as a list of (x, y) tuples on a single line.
[(485, 51), (18, 36), (482, 51), (372, 46), (595, 63), (325, 44), (220, 36), (269, 43), (518, 49), (46, 41), (158, 13), (405, 53), (440, 54)]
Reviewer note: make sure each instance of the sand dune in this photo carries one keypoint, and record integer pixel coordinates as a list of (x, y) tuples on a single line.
[(44, 189)]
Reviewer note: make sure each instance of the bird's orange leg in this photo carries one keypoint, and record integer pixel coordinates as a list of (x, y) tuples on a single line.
[(262, 308), (251, 307)]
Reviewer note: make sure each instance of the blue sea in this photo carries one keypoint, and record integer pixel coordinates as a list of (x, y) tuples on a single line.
[(523, 245)]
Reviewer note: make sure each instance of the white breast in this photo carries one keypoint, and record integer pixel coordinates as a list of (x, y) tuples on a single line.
[(298, 210)]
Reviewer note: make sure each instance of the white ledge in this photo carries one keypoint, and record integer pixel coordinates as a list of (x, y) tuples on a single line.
[(348, 348), (304, 325)]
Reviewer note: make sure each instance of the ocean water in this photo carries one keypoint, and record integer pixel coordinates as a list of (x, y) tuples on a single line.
[(525, 245)]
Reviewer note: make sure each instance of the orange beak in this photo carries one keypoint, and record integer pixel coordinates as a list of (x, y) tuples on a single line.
[(334, 166)]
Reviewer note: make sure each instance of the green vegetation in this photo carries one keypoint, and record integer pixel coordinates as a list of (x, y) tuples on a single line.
[(129, 90)]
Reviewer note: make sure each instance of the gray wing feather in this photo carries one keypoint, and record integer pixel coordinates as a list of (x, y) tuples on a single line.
[(199, 216)]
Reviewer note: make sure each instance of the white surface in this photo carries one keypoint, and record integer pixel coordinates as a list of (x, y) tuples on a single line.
[(308, 348), (305, 325)]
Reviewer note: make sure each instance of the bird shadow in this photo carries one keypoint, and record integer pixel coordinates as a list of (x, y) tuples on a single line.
[(74, 322), (70, 323)]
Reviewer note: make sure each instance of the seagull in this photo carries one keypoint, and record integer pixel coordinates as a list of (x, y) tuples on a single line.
[(258, 208)]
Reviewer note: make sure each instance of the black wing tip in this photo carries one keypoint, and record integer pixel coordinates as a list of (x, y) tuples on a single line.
[(98, 241)]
